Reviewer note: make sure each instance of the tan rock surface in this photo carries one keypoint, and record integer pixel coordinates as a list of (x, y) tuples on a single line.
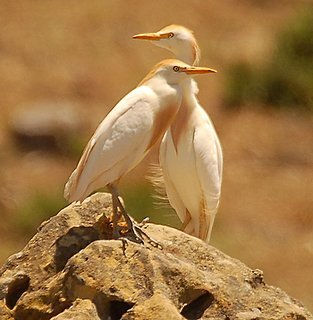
[(72, 267), (80, 310), (5, 313)]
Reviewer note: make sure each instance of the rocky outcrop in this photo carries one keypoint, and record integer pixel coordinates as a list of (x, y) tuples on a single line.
[(80, 310), (72, 269)]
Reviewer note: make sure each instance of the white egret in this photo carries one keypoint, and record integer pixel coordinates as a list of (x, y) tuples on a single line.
[(190, 153), (127, 134)]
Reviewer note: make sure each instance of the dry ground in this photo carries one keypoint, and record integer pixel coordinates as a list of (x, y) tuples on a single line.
[(82, 51)]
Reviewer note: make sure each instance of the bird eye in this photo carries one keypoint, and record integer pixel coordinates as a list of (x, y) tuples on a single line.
[(171, 35), (176, 69)]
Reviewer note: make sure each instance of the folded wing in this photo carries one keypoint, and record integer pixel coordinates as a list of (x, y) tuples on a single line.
[(118, 144), (209, 163)]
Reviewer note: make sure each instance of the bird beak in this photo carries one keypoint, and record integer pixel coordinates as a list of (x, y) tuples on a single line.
[(152, 36), (198, 70)]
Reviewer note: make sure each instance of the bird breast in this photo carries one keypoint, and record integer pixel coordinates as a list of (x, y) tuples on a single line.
[(182, 124), (164, 115)]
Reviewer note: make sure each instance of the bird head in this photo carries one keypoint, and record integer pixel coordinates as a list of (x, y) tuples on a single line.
[(176, 39), (175, 71)]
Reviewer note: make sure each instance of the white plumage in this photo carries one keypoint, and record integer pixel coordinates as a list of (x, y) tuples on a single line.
[(129, 131), (190, 153), (120, 142)]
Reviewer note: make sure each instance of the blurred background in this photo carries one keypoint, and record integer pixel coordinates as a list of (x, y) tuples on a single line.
[(65, 64)]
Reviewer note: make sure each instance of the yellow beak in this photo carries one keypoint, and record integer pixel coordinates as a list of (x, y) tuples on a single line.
[(198, 70), (152, 36)]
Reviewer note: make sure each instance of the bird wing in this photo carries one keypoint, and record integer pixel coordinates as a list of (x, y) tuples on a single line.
[(209, 162), (171, 192), (118, 144)]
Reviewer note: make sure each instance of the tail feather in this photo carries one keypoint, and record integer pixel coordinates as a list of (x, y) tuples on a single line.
[(212, 218), (70, 186), (156, 178)]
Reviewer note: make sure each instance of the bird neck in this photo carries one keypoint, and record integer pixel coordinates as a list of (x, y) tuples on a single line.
[(188, 52), (185, 118), (163, 88), (189, 98), (189, 89)]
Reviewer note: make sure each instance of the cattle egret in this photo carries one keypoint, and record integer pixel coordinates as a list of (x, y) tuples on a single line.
[(190, 153), (127, 134)]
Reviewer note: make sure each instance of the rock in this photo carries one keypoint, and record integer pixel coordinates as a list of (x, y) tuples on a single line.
[(45, 125), (5, 313), (80, 310), (72, 269)]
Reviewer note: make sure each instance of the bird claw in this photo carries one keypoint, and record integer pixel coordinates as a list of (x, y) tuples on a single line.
[(134, 233), (144, 222), (138, 235), (124, 244), (150, 240)]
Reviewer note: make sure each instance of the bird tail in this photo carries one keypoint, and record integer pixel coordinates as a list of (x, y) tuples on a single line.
[(212, 218), (70, 186), (72, 191), (206, 220), (155, 177)]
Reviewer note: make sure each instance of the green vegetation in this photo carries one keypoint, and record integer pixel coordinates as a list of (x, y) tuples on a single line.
[(139, 197), (73, 146), (37, 208), (287, 80), (41, 206)]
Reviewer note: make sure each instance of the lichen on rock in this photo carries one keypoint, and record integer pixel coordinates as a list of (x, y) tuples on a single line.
[(73, 269)]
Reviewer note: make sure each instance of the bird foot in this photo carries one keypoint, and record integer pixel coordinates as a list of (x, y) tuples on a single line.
[(134, 231), (124, 244), (142, 234), (136, 234), (144, 222)]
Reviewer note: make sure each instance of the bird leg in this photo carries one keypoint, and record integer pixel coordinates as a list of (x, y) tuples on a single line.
[(128, 220), (137, 233), (116, 233)]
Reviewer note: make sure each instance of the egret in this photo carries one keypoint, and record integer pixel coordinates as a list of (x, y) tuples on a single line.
[(190, 153), (127, 134)]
